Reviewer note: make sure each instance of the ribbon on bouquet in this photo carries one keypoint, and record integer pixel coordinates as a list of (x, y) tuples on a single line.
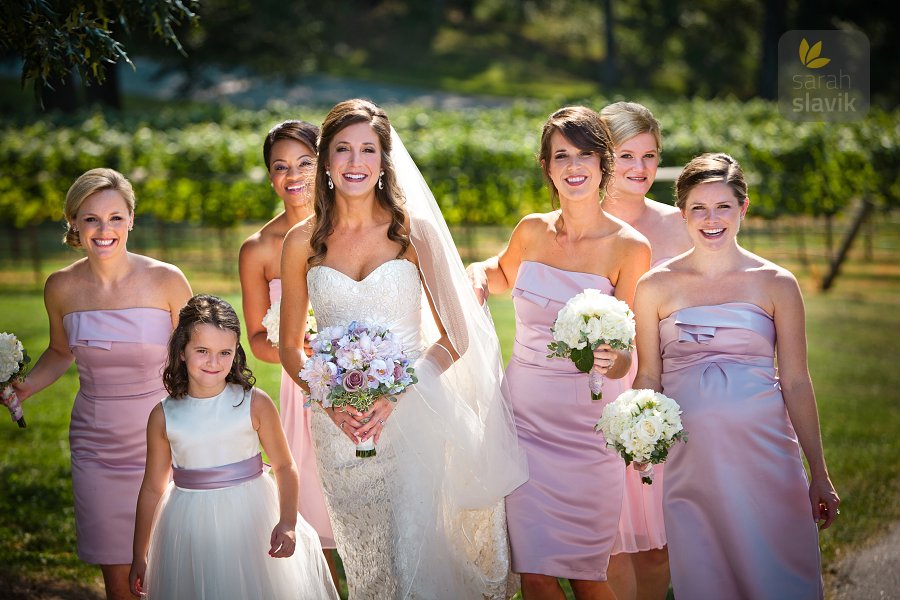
[(9, 398)]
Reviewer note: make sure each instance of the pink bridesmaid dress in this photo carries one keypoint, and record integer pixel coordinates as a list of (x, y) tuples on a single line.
[(736, 501), (120, 354), (563, 521), (641, 525), (296, 422)]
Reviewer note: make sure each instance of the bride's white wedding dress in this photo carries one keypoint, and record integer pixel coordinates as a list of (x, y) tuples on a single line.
[(403, 520)]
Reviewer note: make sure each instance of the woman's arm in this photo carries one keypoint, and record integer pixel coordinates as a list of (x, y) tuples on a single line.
[(255, 298), (268, 427), (646, 316), (498, 273), (294, 300), (156, 478), (797, 389), (55, 360), (178, 292), (634, 261)]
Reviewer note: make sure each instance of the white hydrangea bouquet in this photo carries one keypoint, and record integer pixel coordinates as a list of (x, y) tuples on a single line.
[(13, 359), (641, 425), (272, 322), (354, 365), (588, 320)]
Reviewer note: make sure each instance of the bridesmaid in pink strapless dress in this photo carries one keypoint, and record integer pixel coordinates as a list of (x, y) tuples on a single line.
[(736, 497), (111, 312), (563, 520), (120, 355), (289, 151), (739, 510), (295, 419)]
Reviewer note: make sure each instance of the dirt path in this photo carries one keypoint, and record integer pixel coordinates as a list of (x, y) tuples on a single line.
[(872, 573)]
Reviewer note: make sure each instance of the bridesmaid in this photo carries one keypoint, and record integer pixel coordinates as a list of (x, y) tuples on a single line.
[(564, 520), (290, 156), (112, 312), (740, 515), (641, 545)]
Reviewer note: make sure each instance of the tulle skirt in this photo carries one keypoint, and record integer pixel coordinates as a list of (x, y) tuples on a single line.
[(213, 544)]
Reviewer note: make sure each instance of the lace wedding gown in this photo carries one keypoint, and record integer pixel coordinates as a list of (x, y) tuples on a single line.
[(400, 518)]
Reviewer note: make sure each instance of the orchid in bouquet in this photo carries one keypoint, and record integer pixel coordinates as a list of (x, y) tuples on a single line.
[(641, 425), (354, 365), (588, 320), (13, 359)]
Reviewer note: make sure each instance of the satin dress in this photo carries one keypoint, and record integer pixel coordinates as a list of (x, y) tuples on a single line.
[(120, 354), (563, 521), (736, 500), (641, 525), (295, 419), (212, 529)]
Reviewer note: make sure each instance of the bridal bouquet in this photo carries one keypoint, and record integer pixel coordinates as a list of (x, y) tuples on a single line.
[(642, 425), (13, 359), (587, 320), (354, 365)]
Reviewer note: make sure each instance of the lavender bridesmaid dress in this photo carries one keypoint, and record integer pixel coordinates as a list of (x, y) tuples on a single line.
[(296, 422), (120, 355), (564, 520), (641, 525), (736, 500)]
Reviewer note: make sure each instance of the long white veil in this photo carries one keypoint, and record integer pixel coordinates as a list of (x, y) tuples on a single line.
[(460, 431)]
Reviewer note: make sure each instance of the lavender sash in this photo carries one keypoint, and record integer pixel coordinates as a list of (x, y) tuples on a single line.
[(214, 478)]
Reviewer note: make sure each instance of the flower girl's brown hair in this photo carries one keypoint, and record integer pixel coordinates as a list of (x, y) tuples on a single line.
[(199, 310)]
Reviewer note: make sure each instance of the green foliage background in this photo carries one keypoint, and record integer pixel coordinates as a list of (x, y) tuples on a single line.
[(203, 165)]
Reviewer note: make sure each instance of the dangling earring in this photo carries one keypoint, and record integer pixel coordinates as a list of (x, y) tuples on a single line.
[(73, 229), (330, 182), (380, 182)]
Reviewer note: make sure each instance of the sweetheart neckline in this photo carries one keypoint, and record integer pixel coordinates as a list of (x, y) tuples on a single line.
[(372, 272)]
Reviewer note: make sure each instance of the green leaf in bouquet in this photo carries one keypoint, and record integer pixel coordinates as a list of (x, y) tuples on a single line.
[(583, 358)]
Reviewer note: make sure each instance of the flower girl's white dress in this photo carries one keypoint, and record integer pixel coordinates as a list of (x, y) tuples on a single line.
[(212, 529)]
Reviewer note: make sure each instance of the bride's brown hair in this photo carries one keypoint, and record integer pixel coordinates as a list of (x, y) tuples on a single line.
[(344, 114)]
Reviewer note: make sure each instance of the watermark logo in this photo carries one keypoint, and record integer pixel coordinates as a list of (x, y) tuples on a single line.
[(809, 56), (823, 75)]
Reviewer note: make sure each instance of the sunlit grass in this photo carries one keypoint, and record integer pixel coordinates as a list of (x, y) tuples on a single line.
[(852, 331)]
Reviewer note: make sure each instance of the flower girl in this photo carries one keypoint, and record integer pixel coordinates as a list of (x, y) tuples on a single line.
[(210, 535)]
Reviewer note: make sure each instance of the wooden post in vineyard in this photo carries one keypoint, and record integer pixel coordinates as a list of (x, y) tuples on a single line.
[(862, 213)]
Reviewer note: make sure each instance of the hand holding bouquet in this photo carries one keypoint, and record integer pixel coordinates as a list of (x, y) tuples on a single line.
[(354, 366), (13, 359), (588, 320), (642, 425)]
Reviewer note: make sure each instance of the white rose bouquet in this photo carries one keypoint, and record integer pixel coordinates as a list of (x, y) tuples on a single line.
[(354, 366), (642, 425), (13, 359), (588, 320)]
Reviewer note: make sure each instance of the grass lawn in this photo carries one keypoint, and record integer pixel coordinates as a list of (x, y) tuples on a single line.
[(852, 330)]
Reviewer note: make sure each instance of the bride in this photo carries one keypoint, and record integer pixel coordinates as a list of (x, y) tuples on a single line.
[(424, 517)]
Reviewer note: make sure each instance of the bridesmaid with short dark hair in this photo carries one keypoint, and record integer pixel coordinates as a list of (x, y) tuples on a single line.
[(740, 513)]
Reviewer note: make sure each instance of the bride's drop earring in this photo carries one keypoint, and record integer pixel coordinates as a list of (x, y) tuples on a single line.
[(330, 182), (380, 182)]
